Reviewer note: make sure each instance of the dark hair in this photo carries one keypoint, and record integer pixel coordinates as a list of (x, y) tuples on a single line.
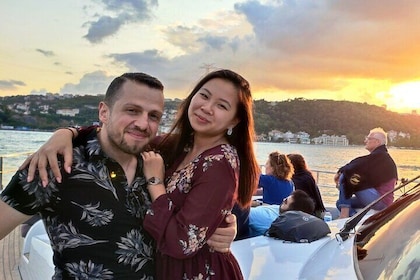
[(282, 167), (242, 137), (298, 162), (141, 78), (302, 202)]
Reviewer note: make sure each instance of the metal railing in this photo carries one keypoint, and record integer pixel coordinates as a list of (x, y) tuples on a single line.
[(323, 178)]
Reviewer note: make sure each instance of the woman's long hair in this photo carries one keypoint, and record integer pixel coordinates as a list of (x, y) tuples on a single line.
[(242, 137), (282, 166)]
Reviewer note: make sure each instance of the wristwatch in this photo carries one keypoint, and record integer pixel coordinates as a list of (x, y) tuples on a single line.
[(154, 181)]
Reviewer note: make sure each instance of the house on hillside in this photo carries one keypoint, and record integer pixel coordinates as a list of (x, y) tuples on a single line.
[(331, 140), (67, 112)]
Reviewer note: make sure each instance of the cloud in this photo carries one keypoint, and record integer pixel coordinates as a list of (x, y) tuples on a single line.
[(184, 37), (322, 44), (340, 49), (45, 53), (10, 84), (172, 72), (122, 12), (90, 84), (41, 91), (214, 42), (103, 27)]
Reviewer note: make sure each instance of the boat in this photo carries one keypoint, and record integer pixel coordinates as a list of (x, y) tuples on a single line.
[(36, 259), (370, 245)]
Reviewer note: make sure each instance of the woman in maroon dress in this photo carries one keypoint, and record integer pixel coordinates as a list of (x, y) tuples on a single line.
[(211, 165)]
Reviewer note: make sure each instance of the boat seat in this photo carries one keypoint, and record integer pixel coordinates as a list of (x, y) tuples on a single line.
[(37, 228)]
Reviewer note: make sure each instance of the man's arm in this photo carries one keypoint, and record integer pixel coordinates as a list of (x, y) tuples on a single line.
[(222, 238), (9, 219)]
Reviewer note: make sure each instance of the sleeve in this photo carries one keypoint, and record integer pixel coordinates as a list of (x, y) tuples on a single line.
[(27, 198), (83, 135), (181, 232), (264, 181)]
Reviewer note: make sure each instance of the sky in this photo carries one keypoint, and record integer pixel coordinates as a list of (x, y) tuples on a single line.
[(354, 50)]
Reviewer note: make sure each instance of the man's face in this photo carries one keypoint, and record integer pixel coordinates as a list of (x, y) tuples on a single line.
[(134, 118), (371, 142), (285, 205)]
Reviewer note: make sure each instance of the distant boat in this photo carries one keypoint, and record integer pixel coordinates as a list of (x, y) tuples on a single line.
[(7, 127)]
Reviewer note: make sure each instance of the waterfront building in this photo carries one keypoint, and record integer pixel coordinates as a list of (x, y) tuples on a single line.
[(331, 140)]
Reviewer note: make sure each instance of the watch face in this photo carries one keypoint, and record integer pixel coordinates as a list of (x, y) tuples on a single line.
[(154, 181)]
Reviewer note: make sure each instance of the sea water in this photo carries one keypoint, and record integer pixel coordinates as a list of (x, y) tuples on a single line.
[(15, 146)]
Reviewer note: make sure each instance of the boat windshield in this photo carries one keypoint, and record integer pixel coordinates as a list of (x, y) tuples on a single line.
[(388, 243)]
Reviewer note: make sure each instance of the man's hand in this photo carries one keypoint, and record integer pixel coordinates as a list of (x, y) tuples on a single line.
[(59, 143), (337, 179), (222, 238)]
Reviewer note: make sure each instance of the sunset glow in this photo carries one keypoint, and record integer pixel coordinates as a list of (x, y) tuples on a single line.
[(361, 51), (406, 95), (403, 97)]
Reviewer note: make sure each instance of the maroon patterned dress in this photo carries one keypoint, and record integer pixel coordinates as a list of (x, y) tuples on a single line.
[(197, 199)]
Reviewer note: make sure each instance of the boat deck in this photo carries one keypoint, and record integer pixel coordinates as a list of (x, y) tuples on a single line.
[(10, 248)]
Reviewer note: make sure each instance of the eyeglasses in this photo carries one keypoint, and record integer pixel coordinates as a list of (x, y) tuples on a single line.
[(370, 138)]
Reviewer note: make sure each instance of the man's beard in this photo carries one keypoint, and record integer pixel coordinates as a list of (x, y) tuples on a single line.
[(124, 147)]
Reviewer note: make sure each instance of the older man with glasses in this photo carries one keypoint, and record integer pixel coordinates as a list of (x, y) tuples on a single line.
[(366, 178)]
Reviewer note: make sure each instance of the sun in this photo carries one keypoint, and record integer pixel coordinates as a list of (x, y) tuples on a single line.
[(404, 97)]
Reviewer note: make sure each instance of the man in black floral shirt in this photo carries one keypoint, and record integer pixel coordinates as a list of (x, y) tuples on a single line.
[(94, 215)]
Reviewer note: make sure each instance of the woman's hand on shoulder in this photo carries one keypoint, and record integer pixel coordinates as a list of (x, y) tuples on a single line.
[(60, 143)]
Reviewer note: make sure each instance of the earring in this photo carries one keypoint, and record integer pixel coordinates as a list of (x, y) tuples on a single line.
[(229, 131)]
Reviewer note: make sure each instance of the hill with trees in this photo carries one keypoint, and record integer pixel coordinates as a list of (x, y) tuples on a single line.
[(316, 117), (334, 117)]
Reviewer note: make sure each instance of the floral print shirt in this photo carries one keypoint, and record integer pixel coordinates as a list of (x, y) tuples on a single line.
[(199, 196), (94, 218)]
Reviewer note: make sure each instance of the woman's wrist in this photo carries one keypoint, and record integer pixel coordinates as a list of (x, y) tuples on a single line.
[(73, 131), (156, 190)]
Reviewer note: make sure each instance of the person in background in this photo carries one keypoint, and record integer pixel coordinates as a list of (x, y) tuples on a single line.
[(304, 180), (242, 221), (276, 184), (260, 218), (100, 205), (366, 178)]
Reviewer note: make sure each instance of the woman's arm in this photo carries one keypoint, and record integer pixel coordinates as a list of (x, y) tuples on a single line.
[(153, 166), (60, 143), (204, 210), (154, 169)]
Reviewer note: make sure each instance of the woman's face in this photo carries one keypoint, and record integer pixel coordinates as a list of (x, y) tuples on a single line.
[(213, 108), (268, 168)]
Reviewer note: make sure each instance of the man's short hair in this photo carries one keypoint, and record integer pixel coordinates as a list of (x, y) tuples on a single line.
[(301, 202), (138, 77)]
